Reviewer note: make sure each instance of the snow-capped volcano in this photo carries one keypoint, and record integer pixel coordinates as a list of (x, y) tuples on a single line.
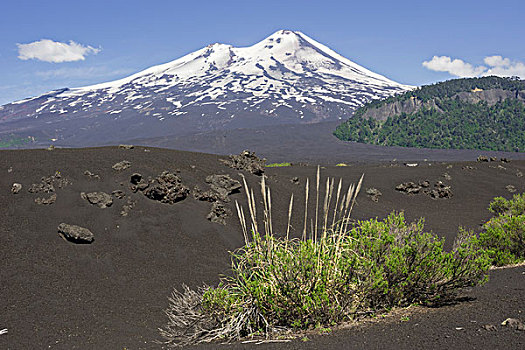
[(286, 78)]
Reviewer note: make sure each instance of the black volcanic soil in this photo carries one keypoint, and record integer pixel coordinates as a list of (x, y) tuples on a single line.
[(111, 294), (307, 143)]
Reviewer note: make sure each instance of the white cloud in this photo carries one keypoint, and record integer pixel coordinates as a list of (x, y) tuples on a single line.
[(497, 65), (455, 67), (52, 51), (497, 61)]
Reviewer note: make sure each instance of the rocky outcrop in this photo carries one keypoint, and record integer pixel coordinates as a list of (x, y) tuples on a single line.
[(246, 161), (223, 185), (413, 104), (165, 188), (75, 234)]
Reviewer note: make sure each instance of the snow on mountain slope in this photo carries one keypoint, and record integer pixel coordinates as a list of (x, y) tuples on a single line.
[(286, 78)]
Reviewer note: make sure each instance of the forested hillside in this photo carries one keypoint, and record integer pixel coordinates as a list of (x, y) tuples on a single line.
[(446, 115)]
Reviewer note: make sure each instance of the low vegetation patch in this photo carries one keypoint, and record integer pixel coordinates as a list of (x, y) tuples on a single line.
[(278, 165), (504, 235), (13, 141), (337, 270)]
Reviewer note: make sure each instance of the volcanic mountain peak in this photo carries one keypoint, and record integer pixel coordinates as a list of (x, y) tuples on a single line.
[(286, 78)]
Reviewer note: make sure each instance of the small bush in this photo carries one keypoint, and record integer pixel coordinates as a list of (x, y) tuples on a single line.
[(326, 277), (277, 165), (503, 236)]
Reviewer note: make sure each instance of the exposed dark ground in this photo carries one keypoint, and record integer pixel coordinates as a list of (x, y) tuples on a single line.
[(111, 294), (306, 143)]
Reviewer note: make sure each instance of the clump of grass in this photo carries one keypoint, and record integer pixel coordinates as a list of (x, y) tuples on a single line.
[(341, 164), (278, 165), (504, 235), (336, 271)]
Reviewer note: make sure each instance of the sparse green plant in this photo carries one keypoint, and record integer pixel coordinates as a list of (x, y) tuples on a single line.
[(278, 165), (504, 235), (338, 269)]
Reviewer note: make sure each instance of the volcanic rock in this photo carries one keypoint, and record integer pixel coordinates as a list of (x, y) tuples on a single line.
[(224, 185), (511, 188), (165, 188), (91, 175), (208, 196), (48, 183), (45, 201), (374, 194), (122, 165), (75, 234), (409, 188), (100, 199), (246, 161), (218, 213), (118, 194), (514, 323), (16, 188), (482, 159), (126, 146)]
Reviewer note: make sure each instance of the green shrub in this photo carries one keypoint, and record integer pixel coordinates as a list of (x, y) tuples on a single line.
[(326, 277), (278, 165), (503, 237)]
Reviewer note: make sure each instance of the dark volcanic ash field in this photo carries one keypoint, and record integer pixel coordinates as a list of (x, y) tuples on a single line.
[(111, 294)]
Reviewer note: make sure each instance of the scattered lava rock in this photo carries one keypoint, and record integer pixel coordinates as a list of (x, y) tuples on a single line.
[(489, 327), (122, 165), (424, 184), (136, 178), (127, 207), (218, 213), (519, 173), (224, 185), (165, 188), (447, 176), (208, 196), (409, 188), (440, 191), (100, 199), (514, 323), (46, 201), (126, 146), (493, 159), (505, 160), (118, 194), (75, 234), (295, 180), (49, 183), (468, 167), (91, 175), (16, 188), (511, 188), (482, 159), (374, 194), (247, 161)]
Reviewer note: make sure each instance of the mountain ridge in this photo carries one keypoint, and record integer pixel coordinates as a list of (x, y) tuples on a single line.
[(286, 78)]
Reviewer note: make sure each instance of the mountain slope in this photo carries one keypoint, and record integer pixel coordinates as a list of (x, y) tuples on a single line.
[(286, 78), (478, 113)]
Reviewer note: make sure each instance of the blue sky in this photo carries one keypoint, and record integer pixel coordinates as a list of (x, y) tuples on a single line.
[(393, 38)]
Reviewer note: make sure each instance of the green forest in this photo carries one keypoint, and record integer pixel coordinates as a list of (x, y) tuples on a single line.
[(456, 125)]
